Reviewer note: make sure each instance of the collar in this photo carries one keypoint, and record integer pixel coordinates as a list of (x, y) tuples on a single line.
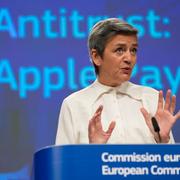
[(126, 88)]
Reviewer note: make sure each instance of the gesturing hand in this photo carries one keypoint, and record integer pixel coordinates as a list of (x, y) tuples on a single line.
[(164, 116), (95, 132)]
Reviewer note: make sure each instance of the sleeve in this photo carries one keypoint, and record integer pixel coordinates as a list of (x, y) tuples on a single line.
[(66, 128), (171, 140)]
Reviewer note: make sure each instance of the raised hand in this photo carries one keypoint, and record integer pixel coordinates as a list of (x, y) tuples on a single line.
[(164, 116), (95, 131)]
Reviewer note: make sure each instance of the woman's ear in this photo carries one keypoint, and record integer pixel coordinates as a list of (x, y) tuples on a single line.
[(96, 58)]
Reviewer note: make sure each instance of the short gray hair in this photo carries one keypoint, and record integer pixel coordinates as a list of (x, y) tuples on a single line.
[(103, 31)]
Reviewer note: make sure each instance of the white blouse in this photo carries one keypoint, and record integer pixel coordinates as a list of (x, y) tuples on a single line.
[(121, 104)]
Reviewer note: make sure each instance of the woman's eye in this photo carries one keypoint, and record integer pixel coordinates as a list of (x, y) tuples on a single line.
[(120, 50), (134, 51)]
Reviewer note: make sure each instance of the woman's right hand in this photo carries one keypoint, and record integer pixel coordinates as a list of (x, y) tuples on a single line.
[(96, 133)]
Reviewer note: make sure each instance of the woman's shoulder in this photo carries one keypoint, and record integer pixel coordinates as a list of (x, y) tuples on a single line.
[(80, 95), (143, 89)]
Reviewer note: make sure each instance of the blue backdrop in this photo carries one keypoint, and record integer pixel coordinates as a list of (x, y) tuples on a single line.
[(44, 58)]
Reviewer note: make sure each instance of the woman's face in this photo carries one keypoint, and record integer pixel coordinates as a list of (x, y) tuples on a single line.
[(118, 60)]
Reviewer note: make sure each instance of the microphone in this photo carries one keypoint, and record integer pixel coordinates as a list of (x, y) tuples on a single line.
[(155, 124), (156, 127)]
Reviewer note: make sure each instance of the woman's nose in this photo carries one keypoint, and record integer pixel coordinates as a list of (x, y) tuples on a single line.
[(127, 57)]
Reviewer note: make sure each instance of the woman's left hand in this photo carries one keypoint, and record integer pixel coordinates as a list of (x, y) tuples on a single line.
[(165, 117)]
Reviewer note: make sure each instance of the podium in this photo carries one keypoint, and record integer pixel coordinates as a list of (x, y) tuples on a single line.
[(102, 162)]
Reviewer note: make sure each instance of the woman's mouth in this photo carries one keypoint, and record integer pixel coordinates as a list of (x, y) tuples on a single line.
[(126, 70)]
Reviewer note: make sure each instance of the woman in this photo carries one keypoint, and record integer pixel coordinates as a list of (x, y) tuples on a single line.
[(112, 109)]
